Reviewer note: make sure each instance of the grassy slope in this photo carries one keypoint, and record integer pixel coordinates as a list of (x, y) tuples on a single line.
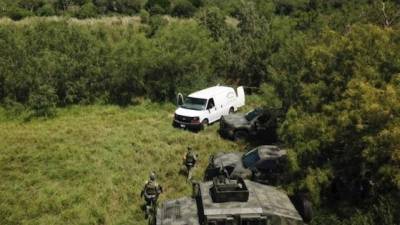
[(88, 165)]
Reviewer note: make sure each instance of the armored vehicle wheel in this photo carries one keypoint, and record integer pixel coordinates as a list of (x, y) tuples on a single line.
[(240, 135)]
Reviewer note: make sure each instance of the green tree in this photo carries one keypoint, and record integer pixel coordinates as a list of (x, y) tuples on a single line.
[(214, 19)]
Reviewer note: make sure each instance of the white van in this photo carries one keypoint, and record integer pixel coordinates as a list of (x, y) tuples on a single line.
[(207, 106)]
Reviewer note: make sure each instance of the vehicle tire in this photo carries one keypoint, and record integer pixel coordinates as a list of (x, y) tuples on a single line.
[(231, 110), (304, 207), (204, 124), (240, 135)]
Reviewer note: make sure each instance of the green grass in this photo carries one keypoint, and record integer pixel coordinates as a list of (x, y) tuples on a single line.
[(88, 164)]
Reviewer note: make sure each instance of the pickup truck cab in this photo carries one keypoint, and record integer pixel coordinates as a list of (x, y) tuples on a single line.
[(207, 106)]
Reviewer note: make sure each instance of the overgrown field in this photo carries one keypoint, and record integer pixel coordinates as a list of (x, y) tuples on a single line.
[(88, 165)]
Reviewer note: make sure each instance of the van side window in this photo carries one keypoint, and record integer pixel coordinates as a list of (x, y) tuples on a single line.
[(210, 103)]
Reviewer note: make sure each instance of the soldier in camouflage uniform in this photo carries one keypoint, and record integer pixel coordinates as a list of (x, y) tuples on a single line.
[(189, 160), (150, 192)]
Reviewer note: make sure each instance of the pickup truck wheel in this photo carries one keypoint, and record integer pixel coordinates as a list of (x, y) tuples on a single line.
[(231, 110), (240, 135)]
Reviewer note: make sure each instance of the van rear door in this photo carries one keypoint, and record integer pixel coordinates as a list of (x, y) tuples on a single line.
[(240, 100)]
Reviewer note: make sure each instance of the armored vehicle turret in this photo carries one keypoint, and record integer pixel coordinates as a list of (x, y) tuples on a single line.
[(225, 201)]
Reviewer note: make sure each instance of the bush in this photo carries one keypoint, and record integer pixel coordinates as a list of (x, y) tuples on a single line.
[(156, 10), (88, 10), (17, 13), (43, 102), (46, 10), (144, 16), (158, 6), (183, 8)]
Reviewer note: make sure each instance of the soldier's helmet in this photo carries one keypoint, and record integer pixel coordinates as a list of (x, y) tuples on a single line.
[(152, 176)]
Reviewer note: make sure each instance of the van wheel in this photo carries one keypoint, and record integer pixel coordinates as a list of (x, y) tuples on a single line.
[(204, 124), (231, 110), (240, 135)]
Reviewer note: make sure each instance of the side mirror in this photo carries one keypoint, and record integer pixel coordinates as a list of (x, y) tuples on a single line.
[(179, 99)]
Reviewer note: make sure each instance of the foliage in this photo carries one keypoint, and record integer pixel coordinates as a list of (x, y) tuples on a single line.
[(158, 6), (43, 101), (84, 69), (144, 16), (345, 116), (87, 10), (183, 8), (46, 10)]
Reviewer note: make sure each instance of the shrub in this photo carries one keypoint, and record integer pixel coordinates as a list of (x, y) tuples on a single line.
[(43, 101), (157, 9), (17, 13), (183, 8), (46, 10), (144, 16), (158, 6), (88, 10)]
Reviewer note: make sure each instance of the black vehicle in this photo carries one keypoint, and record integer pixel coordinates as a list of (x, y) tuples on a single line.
[(264, 164), (259, 123)]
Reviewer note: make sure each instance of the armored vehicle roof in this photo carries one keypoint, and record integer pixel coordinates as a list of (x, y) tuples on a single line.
[(255, 201), (263, 200)]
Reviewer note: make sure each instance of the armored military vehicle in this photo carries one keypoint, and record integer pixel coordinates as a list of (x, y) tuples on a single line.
[(225, 201), (264, 164), (259, 123)]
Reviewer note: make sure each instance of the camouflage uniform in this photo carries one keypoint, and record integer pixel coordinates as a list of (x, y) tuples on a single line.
[(151, 190), (190, 160)]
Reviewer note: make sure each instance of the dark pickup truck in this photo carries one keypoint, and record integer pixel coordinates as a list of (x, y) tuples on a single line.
[(259, 123)]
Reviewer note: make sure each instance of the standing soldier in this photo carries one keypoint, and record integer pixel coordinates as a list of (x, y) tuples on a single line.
[(150, 192), (189, 161)]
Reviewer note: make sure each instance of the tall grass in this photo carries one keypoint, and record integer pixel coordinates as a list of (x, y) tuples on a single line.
[(88, 165)]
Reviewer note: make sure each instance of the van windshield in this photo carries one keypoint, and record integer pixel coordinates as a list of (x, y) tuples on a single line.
[(194, 103)]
